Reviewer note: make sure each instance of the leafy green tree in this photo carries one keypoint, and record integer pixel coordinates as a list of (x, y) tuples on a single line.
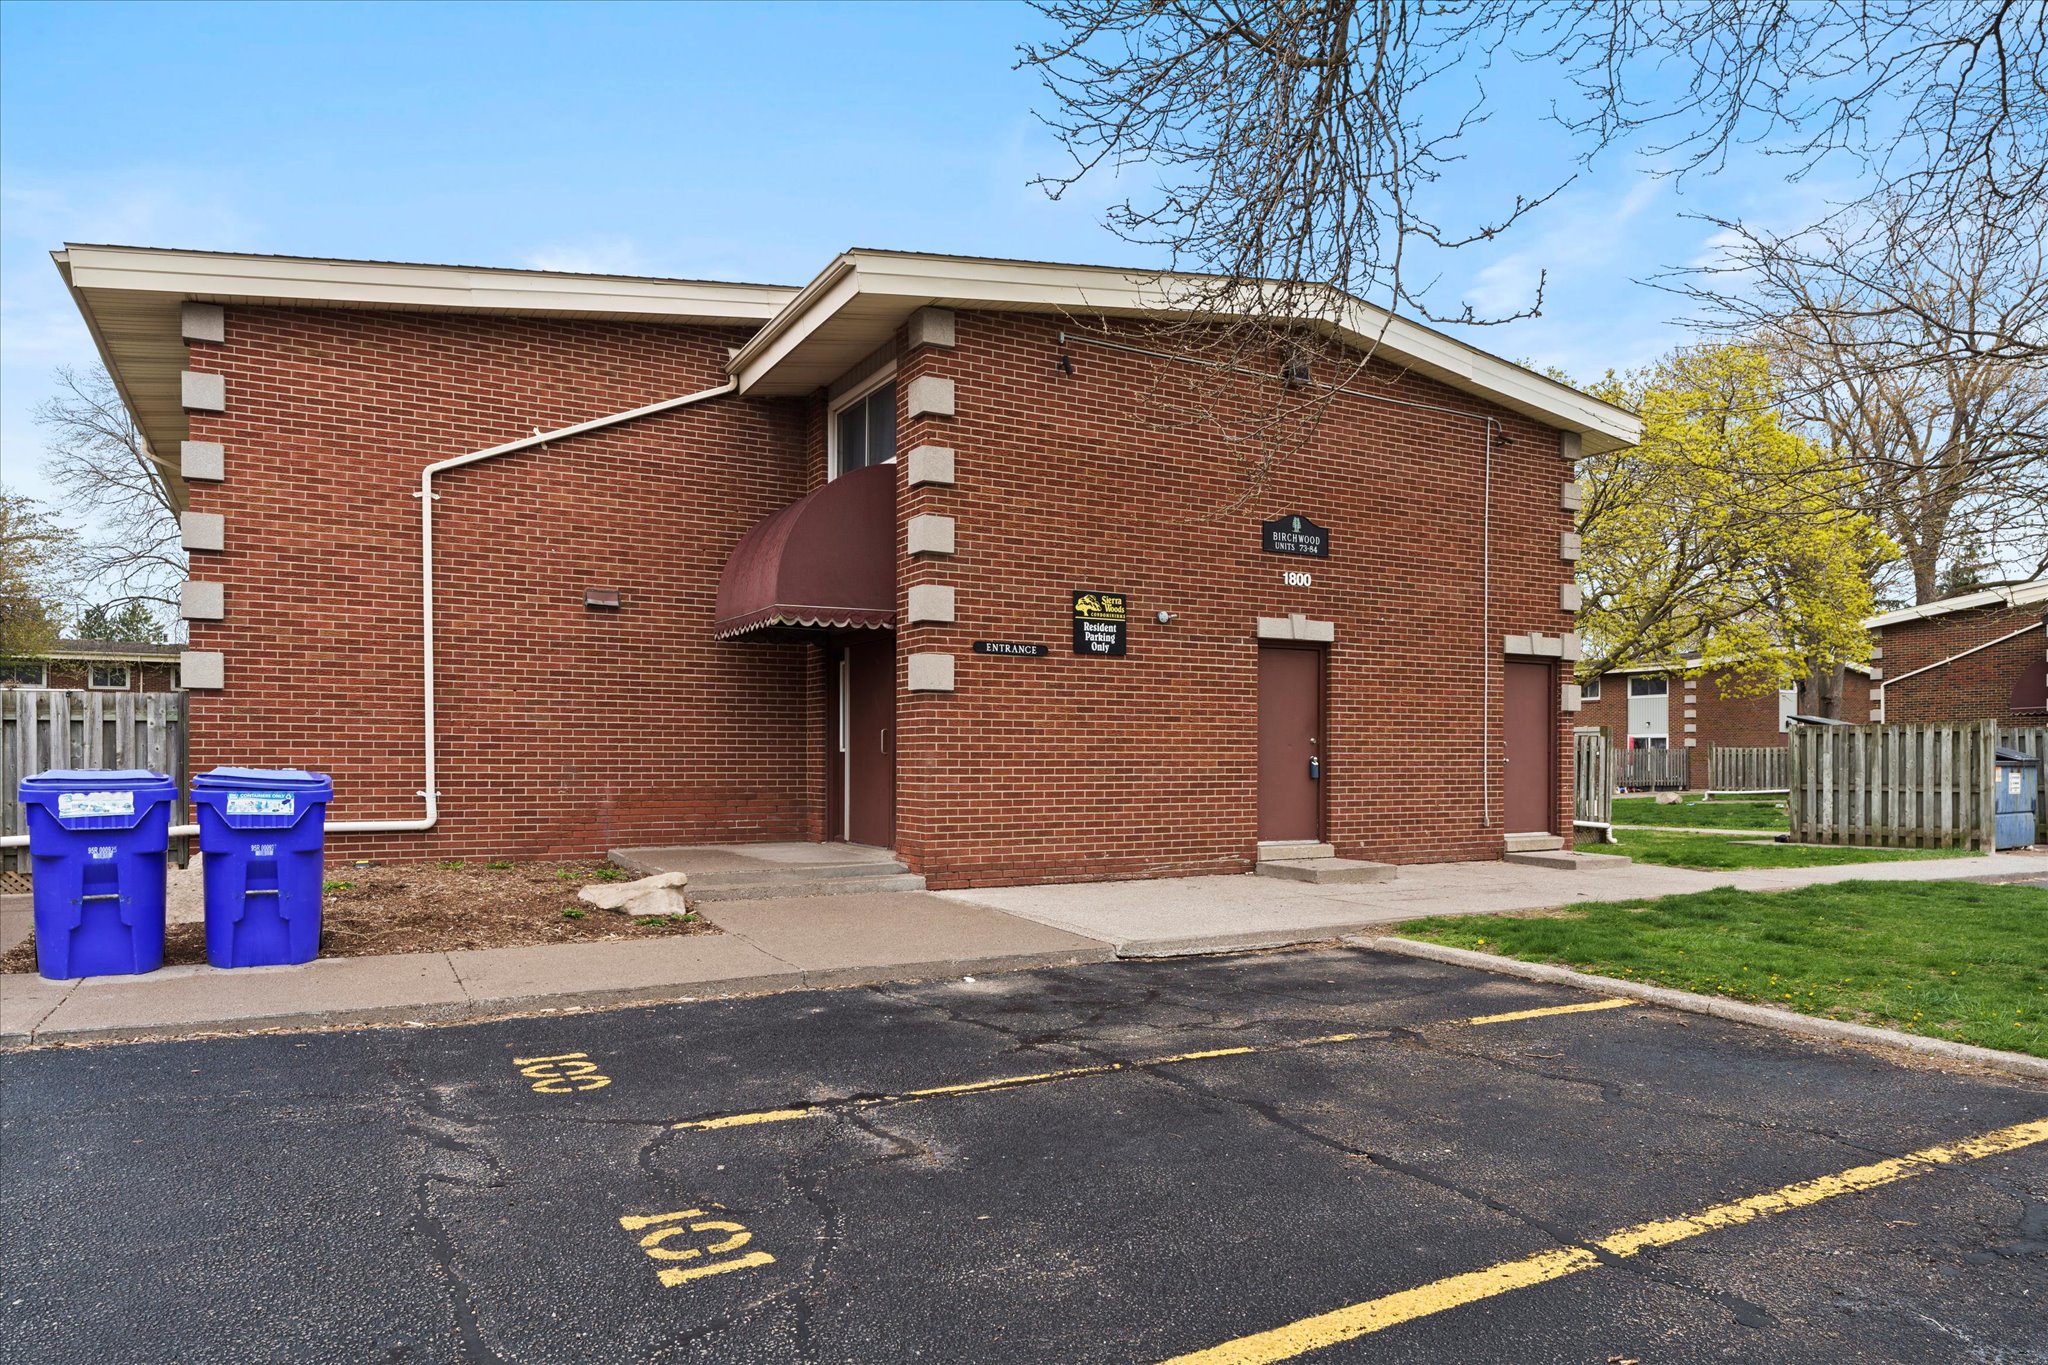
[(128, 622), (1725, 536), (37, 563)]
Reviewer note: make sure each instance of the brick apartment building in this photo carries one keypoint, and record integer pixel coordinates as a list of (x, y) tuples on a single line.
[(1979, 656), (1659, 707), (930, 553), (97, 666)]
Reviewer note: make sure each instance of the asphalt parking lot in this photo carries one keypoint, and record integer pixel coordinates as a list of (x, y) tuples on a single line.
[(1325, 1155)]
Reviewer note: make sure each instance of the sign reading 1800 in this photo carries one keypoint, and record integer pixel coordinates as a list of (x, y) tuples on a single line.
[(1296, 535), (1100, 622)]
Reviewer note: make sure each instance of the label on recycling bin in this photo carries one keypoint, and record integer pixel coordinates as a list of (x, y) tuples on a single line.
[(95, 803), (260, 803), (2012, 783)]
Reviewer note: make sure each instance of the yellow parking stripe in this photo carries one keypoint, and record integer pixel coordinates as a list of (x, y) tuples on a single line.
[(1376, 1315), (1512, 1016), (811, 1109)]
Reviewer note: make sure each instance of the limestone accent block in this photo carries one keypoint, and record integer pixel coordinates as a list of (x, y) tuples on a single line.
[(1570, 496), (1876, 674), (202, 392), (1568, 697), (931, 395), (1691, 713), (1569, 647), (1297, 627), (202, 601), (1691, 728), (1569, 445), (1568, 598), (1568, 547), (661, 894), (931, 327), (203, 322), (1547, 646), (929, 465), (1518, 644), (202, 670), (202, 460), (930, 534), (930, 602), (202, 530), (931, 672), (1692, 744)]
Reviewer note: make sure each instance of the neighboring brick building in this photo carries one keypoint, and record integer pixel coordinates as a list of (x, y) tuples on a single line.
[(1980, 656), (833, 584), (97, 666)]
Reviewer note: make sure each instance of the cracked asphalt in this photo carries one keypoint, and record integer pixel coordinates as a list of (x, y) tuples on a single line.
[(407, 1195)]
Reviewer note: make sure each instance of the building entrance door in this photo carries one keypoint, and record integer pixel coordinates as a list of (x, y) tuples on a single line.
[(867, 740), (1290, 744), (1529, 756)]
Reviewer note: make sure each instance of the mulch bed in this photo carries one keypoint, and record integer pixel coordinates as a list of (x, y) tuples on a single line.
[(442, 907)]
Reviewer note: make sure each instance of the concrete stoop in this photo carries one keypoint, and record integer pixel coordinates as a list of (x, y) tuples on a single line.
[(1567, 860), (1326, 871), (746, 872), (1534, 843)]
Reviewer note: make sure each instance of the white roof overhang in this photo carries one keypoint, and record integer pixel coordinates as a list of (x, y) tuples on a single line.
[(864, 296)]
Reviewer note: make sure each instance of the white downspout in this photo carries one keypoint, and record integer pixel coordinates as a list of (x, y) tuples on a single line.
[(430, 793)]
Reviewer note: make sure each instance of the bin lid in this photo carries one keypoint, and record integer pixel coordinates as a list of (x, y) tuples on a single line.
[(138, 780), (2014, 756), (263, 780)]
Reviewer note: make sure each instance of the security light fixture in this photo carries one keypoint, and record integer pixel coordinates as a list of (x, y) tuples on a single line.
[(1164, 618)]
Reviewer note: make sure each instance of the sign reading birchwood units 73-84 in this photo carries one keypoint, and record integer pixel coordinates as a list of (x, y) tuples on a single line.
[(1295, 535), (1100, 620)]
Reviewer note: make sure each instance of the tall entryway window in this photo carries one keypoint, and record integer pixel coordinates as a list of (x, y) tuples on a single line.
[(864, 429), (1290, 744), (1529, 759), (865, 711)]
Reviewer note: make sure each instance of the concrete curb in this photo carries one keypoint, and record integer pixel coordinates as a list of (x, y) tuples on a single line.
[(1765, 1016), (478, 1008)]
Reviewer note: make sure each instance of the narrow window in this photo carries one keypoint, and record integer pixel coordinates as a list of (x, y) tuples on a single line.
[(108, 678), (864, 431), (1648, 687), (1589, 690)]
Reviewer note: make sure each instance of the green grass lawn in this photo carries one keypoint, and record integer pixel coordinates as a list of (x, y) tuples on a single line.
[(1760, 814), (1726, 852), (1952, 960)]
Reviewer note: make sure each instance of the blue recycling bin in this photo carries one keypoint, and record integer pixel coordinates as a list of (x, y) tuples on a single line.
[(96, 842), (262, 834), (2016, 797)]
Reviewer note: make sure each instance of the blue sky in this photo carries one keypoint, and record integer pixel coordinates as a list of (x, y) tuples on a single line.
[(709, 141)]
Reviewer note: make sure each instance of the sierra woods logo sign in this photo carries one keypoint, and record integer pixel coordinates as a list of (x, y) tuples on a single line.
[(1101, 623)]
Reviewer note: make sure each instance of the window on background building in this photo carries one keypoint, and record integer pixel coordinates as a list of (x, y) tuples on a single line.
[(1589, 690), (24, 675), (1649, 741), (108, 678), (864, 430), (1657, 686)]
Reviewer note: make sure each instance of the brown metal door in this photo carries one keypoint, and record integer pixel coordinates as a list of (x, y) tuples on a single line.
[(869, 710), (1530, 767), (1290, 747)]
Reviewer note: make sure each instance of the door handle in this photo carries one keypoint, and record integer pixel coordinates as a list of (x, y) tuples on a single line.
[(884, 739)]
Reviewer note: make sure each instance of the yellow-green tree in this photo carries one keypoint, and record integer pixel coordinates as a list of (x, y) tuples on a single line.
[(1723, 537), (35, 566)]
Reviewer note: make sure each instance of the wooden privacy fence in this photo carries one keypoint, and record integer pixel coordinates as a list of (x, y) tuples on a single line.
[(1592, 777), (1735, 768), (41, 730), (2031, 740), (1652, 769), (1901, 786)]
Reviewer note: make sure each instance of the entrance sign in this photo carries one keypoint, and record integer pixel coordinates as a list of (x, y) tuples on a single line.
[(1016, 647), (1295, 535), (1101, 620)]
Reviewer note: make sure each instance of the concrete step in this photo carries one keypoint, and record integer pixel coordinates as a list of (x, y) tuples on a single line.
[(1294, 851), (1567, 860), (1326, 871), (1534, 843), (817, 886), (795, 876)]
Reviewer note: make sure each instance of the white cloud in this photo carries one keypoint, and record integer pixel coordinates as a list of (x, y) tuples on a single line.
[(613, 255)]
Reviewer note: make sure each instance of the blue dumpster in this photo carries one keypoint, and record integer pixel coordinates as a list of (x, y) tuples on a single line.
[(96, 841), (262, 832), (2016, 796)]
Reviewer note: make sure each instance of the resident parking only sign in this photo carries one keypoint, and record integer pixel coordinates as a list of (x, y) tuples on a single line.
[(1101, 620)]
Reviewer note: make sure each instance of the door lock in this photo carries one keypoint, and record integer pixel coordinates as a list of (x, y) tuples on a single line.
[(1315, 768)]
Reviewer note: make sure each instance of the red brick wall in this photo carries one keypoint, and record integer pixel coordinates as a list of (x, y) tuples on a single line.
[(1978, 687), (561, 729), (1743, 722), (1069, 768)]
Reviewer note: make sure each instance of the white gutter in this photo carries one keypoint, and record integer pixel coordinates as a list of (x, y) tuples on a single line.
[(430, 795), (1884, 683)]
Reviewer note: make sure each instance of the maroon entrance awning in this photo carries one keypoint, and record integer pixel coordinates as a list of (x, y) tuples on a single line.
[(825, 562)]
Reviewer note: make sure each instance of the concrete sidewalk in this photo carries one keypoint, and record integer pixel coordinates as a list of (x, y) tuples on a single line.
[(767, 945), (784, 944), (1219, 914)]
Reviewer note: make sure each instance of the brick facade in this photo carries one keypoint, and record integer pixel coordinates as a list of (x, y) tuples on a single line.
[(1715, 717), (1978, 686), (566, 730)]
